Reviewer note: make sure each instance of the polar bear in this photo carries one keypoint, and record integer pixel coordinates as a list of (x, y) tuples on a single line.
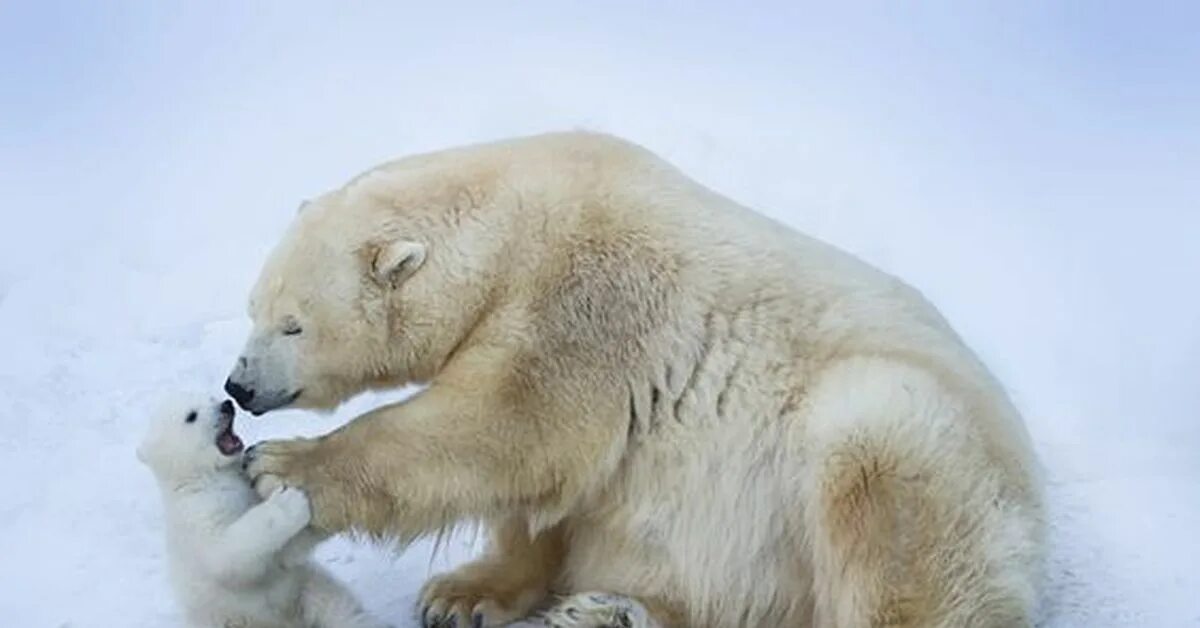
[(666, 408), (236, 561)]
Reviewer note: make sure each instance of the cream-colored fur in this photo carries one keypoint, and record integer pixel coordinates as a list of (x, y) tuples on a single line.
[(666, 407)]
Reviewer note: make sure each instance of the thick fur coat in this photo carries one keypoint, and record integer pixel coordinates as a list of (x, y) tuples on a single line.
[(236, 561), (666, 407)]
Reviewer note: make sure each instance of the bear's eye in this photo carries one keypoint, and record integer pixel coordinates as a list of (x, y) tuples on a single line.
[(191, 417), (291, 326)]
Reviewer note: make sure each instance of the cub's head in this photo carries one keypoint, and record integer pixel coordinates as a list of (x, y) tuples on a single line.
[(190, 435), (370, 287)]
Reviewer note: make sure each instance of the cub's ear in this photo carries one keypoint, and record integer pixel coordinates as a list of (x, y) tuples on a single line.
[(396, 261), (143, 455)]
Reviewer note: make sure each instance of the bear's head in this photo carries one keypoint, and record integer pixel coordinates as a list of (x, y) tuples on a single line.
[(370, 287), (189, 435)]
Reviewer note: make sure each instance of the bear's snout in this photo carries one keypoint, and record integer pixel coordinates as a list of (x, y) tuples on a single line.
[(240, 393)]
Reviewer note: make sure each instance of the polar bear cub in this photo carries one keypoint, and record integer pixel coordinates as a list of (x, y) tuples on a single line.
[(236, 560)]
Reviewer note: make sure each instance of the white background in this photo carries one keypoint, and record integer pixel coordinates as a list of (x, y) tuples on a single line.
[(1033, 169)]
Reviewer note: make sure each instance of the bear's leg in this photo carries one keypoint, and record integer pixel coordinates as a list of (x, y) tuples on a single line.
[(912, 520), (248, 547), (506, 583)]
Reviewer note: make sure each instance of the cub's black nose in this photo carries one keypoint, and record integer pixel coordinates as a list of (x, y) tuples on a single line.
[(240, 394), (227, 408)]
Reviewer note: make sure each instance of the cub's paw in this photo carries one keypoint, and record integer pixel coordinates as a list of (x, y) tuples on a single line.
[(292, 504), (598, 610), (477, 595)]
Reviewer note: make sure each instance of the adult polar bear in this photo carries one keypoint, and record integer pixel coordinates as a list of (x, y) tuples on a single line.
[(643, 389)]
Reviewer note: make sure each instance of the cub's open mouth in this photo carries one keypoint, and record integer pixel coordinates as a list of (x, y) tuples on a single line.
[(227, 442)]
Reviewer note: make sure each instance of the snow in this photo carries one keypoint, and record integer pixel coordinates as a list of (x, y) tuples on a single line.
[(1030, 168)]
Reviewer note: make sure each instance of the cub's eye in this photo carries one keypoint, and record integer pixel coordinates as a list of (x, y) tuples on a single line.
[(191, 417), (291, 328)]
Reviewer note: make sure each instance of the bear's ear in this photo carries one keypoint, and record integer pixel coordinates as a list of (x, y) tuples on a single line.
[(142, 455), (396, 261)]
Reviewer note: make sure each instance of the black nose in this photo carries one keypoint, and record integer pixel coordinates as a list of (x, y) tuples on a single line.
[(227, 408), (238, 392)]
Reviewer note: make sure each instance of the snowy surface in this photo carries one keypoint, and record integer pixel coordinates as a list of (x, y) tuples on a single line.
[(1031, 168)]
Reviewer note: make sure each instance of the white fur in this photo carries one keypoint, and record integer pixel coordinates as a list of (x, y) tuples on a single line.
[(236, 561), (730, 420)]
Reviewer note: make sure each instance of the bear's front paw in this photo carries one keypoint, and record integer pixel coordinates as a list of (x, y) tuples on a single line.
[(483, 594), (276, 463), (292, 505)]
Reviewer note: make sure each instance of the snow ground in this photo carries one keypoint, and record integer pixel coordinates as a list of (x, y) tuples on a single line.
[(1031, 168)]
